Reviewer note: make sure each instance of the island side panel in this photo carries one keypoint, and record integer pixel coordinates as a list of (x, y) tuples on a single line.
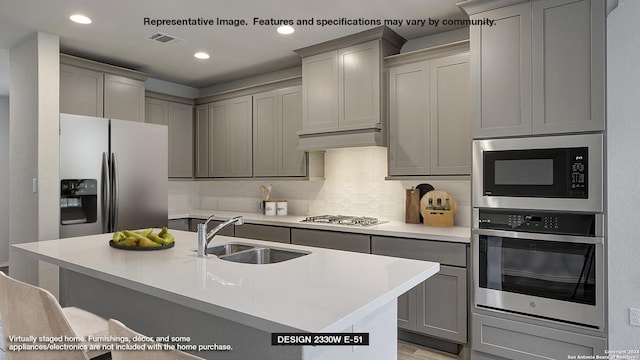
[(157, 317), (381, 326)]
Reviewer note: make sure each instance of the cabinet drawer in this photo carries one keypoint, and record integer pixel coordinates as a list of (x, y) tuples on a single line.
[(454, 254), (517, 340), (228, 231), (264, 232), (332, 240)]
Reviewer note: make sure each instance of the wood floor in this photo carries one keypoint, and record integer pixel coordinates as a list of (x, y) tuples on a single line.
[(409, 351)]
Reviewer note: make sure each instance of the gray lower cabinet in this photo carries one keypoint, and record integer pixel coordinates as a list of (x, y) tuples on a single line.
[(227, 231), (438, 306), (496, 338), (179, 224), (264, 232), (331, 240)]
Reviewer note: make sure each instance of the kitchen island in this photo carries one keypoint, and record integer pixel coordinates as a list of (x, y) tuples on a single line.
[(237, 306)]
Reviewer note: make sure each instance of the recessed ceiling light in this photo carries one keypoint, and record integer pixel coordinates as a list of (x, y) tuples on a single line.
[(201, 55), (285, 30), (80, 19)]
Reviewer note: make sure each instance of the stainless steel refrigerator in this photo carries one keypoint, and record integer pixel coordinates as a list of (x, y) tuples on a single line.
[(113, 175)]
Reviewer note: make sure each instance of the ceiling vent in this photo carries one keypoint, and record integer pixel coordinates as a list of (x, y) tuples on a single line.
[(164, 38)]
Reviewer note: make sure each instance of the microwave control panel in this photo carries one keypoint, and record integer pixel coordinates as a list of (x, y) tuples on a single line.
[(578, 158), (538, 222)]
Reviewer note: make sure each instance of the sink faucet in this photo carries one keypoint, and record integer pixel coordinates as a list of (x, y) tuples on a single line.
[(204, 238)]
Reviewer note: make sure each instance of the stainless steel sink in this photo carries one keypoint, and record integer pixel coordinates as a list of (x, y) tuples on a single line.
[(263, 256), (227, 249)]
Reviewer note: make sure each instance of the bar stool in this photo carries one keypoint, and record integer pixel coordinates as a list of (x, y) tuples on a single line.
[(116, 328), (28, 310)]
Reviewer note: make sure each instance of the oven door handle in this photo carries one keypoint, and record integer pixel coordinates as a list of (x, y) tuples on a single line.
[(539, 236)]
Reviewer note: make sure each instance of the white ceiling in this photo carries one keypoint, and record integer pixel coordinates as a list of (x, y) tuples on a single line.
[(119, 36)]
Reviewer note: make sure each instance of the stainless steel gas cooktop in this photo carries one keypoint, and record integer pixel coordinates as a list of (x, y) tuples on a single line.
[(344, 220)]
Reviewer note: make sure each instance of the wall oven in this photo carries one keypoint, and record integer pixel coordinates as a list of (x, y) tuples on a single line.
[(545, 264), (552, 172)]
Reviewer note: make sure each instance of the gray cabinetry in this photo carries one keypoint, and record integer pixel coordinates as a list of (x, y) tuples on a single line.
[(264, 232), (320, 91), (509, 339), (81, 91), (227, 231), (429, 126), (342, 90), (568, 65), (124, 98), (438, 306), (539, 69), (277, 116), (230, 142), (179, 224), (179, 119), (201, 139), (331, 240), (94, 89)]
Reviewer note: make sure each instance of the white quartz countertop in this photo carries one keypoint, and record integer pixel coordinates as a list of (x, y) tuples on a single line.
[(459, 234), (325, 291)]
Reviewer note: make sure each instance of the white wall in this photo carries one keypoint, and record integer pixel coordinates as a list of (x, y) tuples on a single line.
[(623, 162), (354, 185), (4, 181), (33, 151)]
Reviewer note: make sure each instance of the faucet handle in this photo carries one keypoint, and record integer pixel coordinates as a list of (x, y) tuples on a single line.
[(206, 223)]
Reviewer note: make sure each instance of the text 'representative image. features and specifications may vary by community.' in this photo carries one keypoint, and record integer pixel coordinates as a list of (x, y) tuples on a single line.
[(312, 21)]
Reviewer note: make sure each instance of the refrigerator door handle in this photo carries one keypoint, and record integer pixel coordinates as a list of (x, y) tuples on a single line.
[(114, 192), (106, 194)]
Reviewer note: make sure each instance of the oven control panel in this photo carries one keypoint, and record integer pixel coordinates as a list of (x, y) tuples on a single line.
[(537, 221)]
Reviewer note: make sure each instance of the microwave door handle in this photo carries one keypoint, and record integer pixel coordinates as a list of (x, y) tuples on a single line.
[(105, 205), (114, 192)]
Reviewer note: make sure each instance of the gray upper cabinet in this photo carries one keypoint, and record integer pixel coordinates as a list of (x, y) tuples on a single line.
[(501, 73), (539, 69), (450, 96), (179, 119), (342, 103), (320, 91), (230, 138), (201, 138), (359, 74), (124, 98), (95, 89), (409, 153), (429, 117), (568, 65), (81, 91), (180, 124), (277, 116), (342, 88)]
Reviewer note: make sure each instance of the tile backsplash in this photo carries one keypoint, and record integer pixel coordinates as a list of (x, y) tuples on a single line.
[(354, 185)]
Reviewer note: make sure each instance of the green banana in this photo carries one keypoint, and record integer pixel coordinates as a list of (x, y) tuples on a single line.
[(158, 239), (163, 231), (145, 232), (118, 236), (168, 237)]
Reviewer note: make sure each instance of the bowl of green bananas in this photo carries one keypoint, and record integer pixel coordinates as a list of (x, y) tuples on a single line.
[(142, 240)]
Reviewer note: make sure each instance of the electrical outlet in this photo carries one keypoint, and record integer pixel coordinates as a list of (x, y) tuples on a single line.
[(634, 317)]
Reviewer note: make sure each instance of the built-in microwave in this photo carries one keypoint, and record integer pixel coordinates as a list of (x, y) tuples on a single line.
[(552, 172)]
